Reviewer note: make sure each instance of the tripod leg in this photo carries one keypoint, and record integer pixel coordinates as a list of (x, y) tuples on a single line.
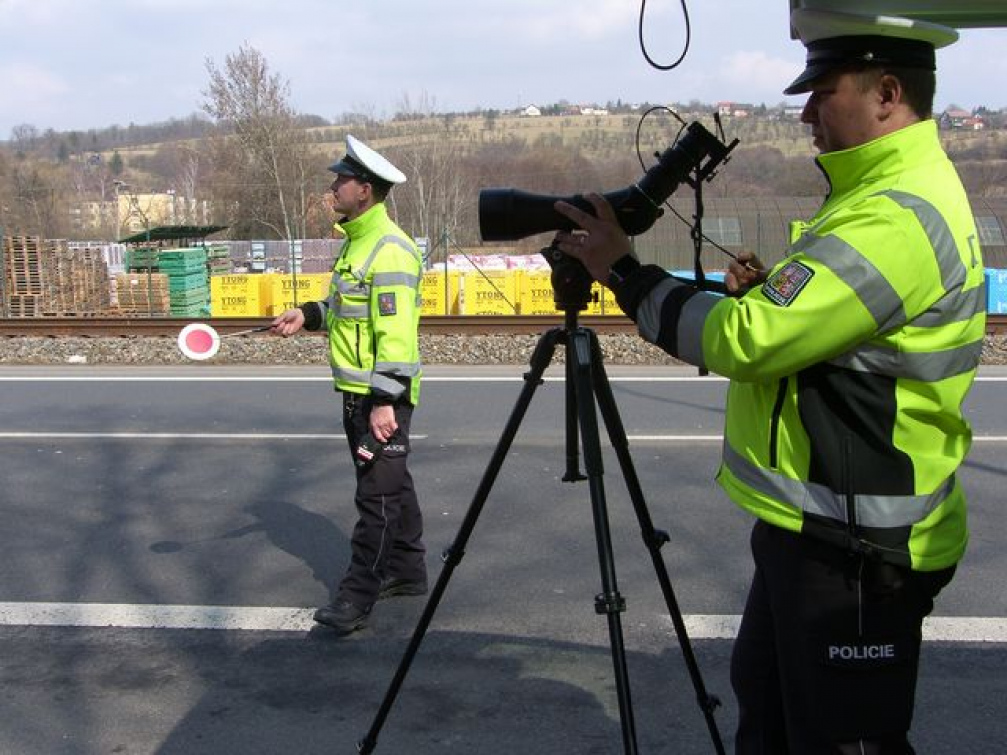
[(653, 538), (540, 360), (609, 602), (573, 473)]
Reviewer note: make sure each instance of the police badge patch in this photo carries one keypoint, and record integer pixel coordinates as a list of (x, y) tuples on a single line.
[(785, 284), (386, 303)]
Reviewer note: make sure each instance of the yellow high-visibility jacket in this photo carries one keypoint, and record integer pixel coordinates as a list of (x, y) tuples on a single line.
[(373, 309), (849, 365)]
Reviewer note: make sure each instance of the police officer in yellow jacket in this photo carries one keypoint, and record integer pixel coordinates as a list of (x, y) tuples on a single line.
[(849, 362), (372, 319)]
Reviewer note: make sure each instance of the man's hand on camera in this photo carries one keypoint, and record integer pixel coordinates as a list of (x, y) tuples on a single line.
[(601, 240)]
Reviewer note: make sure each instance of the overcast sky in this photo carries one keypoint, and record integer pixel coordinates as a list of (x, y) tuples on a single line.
[(80, 64)]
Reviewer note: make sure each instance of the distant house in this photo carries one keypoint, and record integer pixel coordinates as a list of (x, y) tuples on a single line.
[(734, 109), (957, 119), (593, 111), (531, 112)]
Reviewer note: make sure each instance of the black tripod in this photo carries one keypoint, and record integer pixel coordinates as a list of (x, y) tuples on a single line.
[(585, 381)]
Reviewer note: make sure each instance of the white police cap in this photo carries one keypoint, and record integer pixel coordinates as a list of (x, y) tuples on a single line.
[(836, 39), (363, 162)]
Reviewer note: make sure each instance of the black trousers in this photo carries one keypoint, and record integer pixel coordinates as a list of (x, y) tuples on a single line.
[(387, 540), (827, 655)]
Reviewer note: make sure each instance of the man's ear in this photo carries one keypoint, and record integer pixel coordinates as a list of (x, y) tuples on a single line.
[(889, 90)]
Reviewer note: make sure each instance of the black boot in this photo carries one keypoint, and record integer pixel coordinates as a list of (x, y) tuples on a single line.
[(343, 616)]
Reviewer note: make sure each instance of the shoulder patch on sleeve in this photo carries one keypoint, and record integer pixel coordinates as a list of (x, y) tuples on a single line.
[(386, 303), (785, 284)]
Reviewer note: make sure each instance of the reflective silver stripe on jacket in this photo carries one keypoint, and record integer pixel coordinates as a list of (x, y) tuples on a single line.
[(887, 308), (871, 510), (395, 279), (928, 366), (961, 307), (964, 305), (857, 272), (648, 314), (953, 272), (373, 379), (690, 327), (351, 375), (339, 288), (404, 369)]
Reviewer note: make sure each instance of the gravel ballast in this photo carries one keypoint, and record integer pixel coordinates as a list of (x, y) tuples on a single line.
[(623, 348)]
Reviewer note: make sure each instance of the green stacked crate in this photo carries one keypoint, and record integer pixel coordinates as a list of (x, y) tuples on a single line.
[(182, 260), (188, 281), (218, 259), (141, 259)]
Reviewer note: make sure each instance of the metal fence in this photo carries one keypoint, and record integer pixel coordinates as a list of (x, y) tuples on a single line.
[(762, 225)]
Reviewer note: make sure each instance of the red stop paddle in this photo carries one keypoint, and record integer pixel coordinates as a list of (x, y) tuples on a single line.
[(200, 341)]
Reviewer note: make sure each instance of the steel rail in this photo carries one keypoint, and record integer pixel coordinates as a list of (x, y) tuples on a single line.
[(97, 327)]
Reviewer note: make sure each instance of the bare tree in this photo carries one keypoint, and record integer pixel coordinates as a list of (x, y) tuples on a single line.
[(440, 190), (425, 106), (37, 206), (269, 176), (188, 176), (24, 138)]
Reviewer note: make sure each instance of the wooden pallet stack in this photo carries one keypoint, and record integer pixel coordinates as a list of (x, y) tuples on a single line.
[(23, 275), (44, 278), (144, 293), (79, 282)]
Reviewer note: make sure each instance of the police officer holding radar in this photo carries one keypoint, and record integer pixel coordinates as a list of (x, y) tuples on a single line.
[(372, 318), (849, 362)]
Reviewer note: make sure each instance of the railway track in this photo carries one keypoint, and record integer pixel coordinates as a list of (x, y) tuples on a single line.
[(99, 327), (104, 327)]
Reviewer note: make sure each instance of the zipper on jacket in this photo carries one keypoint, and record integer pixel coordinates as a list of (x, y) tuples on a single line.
[(356, 347), (774, 425), (851, 496)]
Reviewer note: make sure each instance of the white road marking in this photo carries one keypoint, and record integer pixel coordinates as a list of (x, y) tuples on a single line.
[(127, 615), (264, 619), (174, 378), (180, 436), (337, 436), (177, 436), (935, 628)]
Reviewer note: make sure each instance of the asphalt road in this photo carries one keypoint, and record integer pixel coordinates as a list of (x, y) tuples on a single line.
[(142, 507)]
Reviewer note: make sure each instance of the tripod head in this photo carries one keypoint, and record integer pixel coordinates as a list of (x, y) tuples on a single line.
[(571, 282)]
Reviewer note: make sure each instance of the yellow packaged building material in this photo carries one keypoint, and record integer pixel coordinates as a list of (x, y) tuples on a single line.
[(236, 296), (536, 294), (489, 292), (281, 292), (264, 295), (606, 302), (440, 298)]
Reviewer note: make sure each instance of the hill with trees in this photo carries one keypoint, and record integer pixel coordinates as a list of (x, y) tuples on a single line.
[(261, 166)]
